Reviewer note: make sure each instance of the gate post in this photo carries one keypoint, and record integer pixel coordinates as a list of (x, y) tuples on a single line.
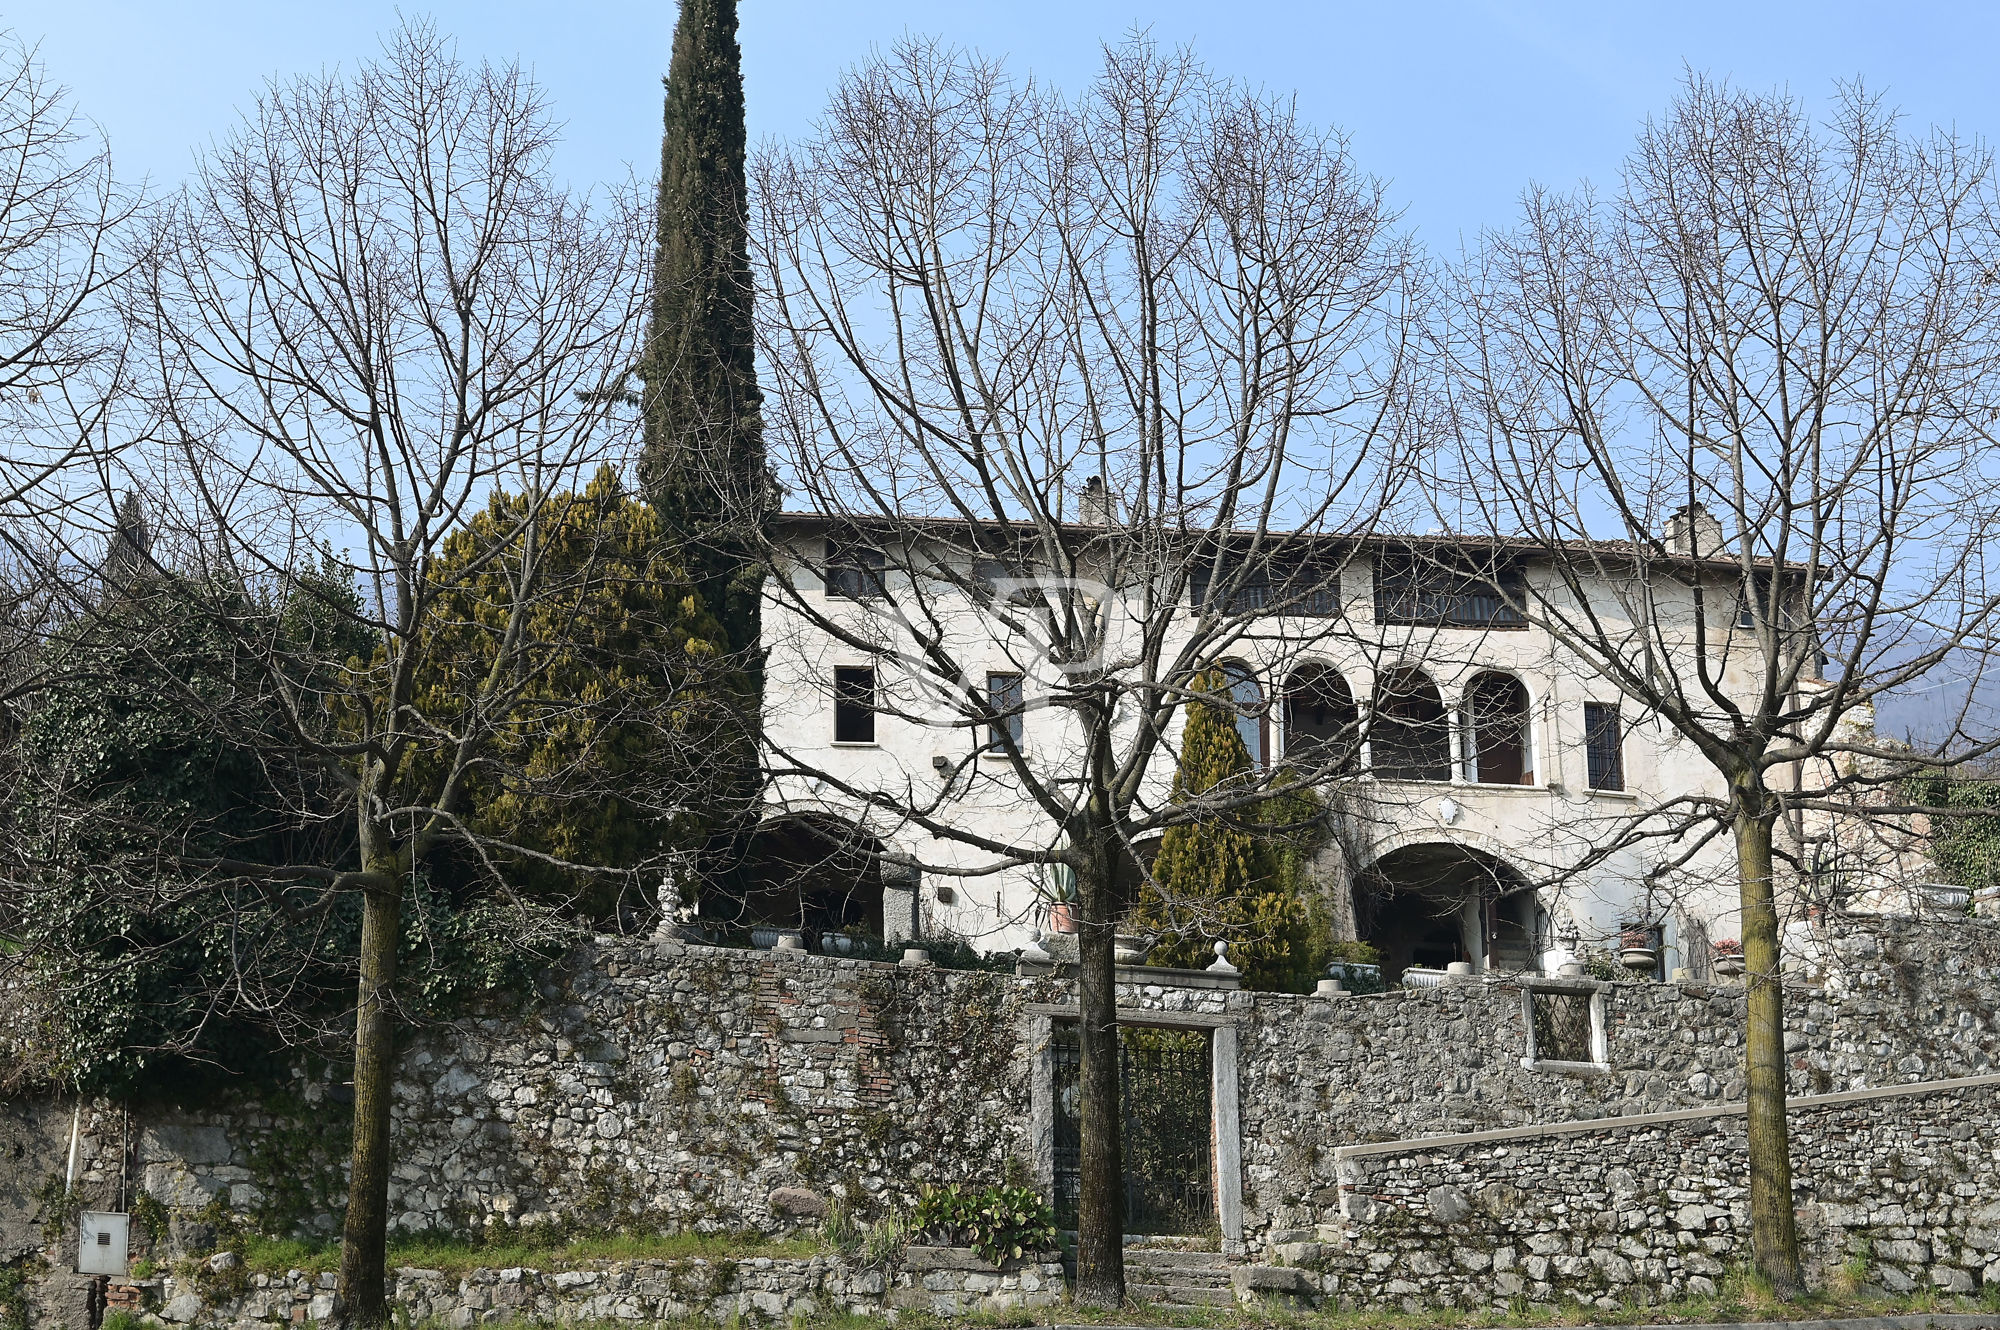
[(1042, 1102), (1228, 1151)]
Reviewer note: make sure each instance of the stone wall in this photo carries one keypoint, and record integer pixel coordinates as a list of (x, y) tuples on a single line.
[(702, 1088), (1887, 1002), (1899, 1188), (944, 1281)]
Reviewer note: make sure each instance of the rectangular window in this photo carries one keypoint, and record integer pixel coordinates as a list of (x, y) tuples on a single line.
[(1563, 1030), (1604, 744), (854, 704), (1449, 591), (854, 572), (1003, 700)]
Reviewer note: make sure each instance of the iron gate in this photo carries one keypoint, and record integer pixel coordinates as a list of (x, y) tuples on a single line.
[(1164, 1101)]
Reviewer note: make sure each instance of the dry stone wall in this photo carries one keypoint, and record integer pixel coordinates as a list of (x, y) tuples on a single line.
[(1899, 1191), (942, 1281), (1888, 1002), (701, 1088)]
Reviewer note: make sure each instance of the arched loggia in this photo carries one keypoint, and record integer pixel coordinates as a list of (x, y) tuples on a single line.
[(1322, 723), (1497, 734), (1436, 902), (1409, 730), (811, 871)]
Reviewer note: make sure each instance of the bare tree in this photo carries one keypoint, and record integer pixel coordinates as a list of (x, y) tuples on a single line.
[(371, 313), (62, 216), (1082, 396), (1742, 411)]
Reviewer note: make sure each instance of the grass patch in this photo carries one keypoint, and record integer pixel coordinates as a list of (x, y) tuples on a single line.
[(456, 1255)]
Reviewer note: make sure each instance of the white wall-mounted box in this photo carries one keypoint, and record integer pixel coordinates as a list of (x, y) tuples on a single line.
[(103, 1242)]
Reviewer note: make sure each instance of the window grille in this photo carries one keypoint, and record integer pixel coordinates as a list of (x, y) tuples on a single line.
[(1604, 744), (1309, 589), (1562, 1030), (854, 704)]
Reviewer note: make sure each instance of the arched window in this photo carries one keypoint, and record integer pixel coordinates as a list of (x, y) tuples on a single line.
[(1496, 738), (1246, 699), (1409, 732), (1322, 724)]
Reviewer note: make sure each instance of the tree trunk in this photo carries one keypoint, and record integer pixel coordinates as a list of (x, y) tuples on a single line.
[(1774, 1234), (365, 1235), (1100, 1217)]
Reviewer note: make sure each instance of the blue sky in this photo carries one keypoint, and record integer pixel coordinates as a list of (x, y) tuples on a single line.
[(1458, 104)]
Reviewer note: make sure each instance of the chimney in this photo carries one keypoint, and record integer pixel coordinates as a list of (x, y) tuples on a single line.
[(1693, 531), (1094, 507)]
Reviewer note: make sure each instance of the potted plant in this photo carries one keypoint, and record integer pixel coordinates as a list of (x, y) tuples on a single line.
[(1729, 958), (1636, 949), (1058, 888), (1357, 965)]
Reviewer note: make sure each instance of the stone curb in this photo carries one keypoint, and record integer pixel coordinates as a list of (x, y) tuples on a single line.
[(1920, 1321)]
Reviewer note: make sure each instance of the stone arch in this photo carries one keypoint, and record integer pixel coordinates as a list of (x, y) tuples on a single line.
[(1498, 730), (1431, 901), (817, 872), (1409, 729), (1322, 723)]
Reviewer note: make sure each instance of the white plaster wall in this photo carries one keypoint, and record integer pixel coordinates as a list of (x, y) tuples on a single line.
[(1552, 822)]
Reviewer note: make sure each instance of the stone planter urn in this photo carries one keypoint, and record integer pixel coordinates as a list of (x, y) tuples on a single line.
[(1729, 961), (1636, 951), (1130, 948)]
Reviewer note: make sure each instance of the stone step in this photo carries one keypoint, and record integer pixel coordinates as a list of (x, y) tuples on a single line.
[(1139, 1258), (1180, 1278), (1169, 1242), (1181, 1295)]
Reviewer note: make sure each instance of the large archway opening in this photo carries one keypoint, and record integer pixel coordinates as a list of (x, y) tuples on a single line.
[(1409, 731), (1430, 904), (812, 872)]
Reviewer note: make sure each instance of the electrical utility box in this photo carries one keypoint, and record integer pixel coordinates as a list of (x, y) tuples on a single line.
[(103, 1242)]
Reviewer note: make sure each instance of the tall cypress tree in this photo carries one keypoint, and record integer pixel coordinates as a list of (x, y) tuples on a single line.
[(704, 464)]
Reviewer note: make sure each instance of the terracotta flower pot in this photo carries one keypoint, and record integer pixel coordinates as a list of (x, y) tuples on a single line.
[(1062, 917)]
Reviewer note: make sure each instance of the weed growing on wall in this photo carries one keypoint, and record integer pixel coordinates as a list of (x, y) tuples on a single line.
[(13, 1298), (299, 1163)]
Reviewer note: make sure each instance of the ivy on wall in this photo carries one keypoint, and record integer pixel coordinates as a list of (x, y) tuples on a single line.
[(1965, 847)]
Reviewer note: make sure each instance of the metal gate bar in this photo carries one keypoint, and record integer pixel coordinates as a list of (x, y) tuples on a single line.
[(1164, 1087)]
